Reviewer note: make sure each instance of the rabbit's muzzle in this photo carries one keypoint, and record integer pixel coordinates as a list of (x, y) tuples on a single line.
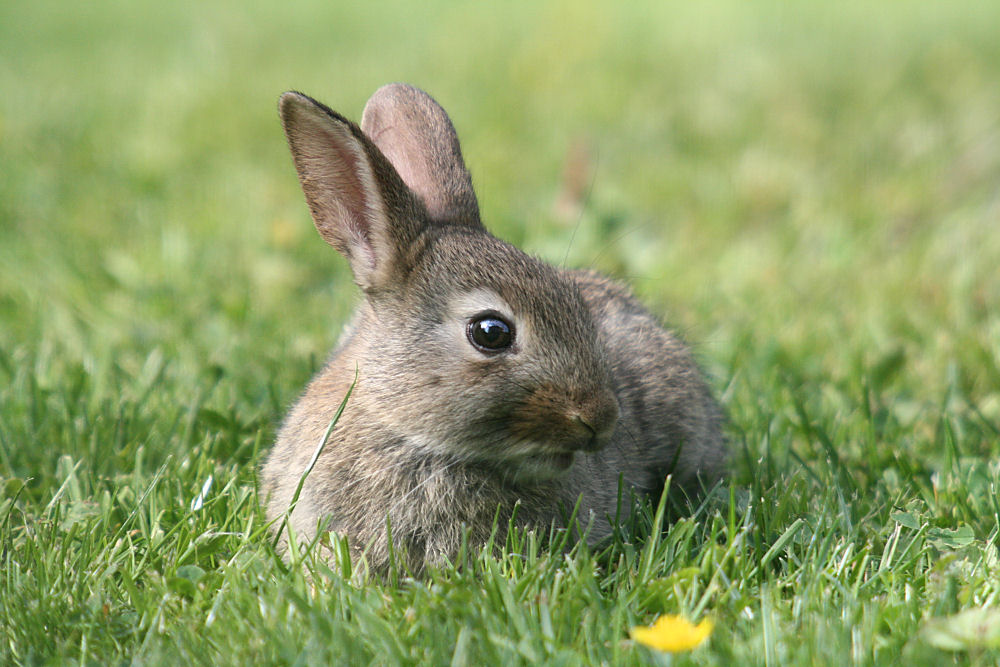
[(565, 424)]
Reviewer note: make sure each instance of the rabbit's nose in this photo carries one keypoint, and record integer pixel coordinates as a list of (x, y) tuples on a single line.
[(597, 421)]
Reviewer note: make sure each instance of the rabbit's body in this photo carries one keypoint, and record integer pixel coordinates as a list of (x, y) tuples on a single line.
[(486, 379)]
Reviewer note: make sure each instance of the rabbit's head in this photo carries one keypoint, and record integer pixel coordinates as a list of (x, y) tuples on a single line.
[(465, 346)]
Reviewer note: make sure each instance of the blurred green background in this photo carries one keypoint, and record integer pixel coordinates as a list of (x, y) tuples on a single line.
[(809, 193)]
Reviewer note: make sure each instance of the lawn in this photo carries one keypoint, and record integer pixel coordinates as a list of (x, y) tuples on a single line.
[(809, 194)]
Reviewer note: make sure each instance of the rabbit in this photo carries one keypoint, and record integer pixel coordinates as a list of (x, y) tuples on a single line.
[(486, 384)]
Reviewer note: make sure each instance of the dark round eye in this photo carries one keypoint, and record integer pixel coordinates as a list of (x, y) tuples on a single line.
[(489, 333)]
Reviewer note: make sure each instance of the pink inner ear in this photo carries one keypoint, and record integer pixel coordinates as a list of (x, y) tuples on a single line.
[(338, 186), (417, 137), (407, 155)]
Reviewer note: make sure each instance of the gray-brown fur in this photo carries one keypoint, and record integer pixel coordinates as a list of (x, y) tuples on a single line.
[(438, 435)]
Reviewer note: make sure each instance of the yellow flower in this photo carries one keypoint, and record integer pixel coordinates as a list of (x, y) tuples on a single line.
[(672, 634)]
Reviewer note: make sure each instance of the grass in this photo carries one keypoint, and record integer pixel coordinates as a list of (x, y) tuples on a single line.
[(808, 193)]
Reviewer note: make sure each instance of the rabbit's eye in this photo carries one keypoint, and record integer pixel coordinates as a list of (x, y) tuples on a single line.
[(489, 333)]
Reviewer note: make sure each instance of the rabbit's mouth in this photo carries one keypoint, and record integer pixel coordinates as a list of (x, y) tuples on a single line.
[(545, 466), (561, 461)]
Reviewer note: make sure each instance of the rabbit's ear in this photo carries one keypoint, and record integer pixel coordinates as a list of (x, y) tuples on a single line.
[(417, 137), (359, 203)]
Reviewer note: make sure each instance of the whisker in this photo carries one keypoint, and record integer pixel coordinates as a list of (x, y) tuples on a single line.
[(585, 200), (613, 241)]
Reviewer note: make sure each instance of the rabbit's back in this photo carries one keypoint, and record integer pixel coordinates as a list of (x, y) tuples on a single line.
[(669, 425)]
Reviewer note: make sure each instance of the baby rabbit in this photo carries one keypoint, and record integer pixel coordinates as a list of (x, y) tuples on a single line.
[(486, 378)]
